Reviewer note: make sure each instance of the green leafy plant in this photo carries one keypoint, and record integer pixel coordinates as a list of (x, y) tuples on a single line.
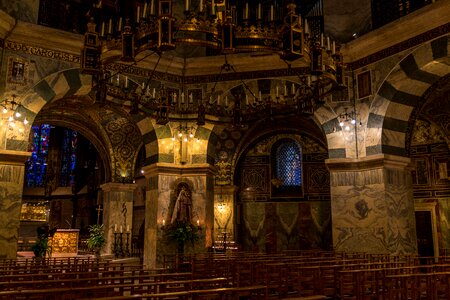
[(40, 248), (182, 232), (96, 240)]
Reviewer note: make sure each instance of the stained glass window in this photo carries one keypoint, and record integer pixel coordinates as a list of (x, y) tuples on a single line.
[(69, 157), (288, 164), (37, 164)]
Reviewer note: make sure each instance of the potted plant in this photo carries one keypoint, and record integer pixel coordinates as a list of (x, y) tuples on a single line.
[(40, 247), (181, 232), (96, 240)]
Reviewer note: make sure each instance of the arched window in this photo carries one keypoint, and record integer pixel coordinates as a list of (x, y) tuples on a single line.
[(287, 168)]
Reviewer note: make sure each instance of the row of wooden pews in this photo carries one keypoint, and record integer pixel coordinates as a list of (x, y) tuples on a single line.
[(305, 275)]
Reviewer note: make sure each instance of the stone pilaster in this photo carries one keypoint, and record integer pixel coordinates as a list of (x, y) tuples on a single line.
[(162, 181), (372, 205), (11, 188), (117, 211), (224, 211)]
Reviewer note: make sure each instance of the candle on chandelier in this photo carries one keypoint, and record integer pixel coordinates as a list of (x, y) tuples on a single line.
[(200, 6), (115, 227), (271, 12), (138, 14), (152, 9), (102, 32), (119, 28), (121, 228), (144, 12), (128, 228), (213, 8), (259, 11), (110, 26), (246, 11)]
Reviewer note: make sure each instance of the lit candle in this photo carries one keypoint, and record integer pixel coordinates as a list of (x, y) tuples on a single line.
[(145, 10), (164, 222), (200, 6), (121, 229), (128, 228), (246, 11), (102, 33), (198, 222), (186, 5), (271, 12), (110, 26), (138, 14), (115, 227), (152, 8), (334, 47), (120, 24), (259, 11)]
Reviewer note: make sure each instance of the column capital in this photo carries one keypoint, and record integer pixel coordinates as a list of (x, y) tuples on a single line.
[(13, 157), (181, 170), (368, 162), (114, 186)]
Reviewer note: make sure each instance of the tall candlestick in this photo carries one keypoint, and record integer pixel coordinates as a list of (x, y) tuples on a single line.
[(138, 14), (110, 26), (119, 28)]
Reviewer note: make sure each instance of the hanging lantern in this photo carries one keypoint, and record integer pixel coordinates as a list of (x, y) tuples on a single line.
[(165, 26), (90, 53)]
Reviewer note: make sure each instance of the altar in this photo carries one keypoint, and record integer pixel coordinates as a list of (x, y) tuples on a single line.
[(64, 242)]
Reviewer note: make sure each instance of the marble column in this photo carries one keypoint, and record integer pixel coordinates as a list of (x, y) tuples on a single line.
[(117, 212), (162, 182), (11, 187), (372, 205)]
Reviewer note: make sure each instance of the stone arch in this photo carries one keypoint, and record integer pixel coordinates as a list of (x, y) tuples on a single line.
[(402, 92), (110, 122)]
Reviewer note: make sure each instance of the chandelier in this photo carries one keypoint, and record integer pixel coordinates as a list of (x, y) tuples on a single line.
[(223, 28), (10, 109)]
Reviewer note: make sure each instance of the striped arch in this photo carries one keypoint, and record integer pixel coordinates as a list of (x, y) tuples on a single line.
[(401, 92), (56, 86)]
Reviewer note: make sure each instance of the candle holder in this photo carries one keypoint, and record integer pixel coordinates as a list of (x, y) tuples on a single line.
[(121, 250), (116, 248), (127, 245)]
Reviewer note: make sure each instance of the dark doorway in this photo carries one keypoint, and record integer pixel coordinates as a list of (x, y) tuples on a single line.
[(424, 233)]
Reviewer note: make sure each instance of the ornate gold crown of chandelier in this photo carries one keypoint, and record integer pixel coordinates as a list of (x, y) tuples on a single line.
[(222, 28)]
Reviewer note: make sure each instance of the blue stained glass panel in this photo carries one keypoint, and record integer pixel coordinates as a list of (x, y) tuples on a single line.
[(288, 164), (36, 165), (69, 157)]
